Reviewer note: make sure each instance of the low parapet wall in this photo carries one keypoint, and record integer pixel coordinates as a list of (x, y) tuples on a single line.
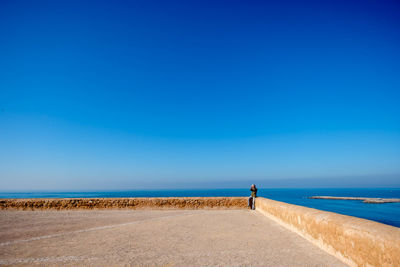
[(126, 203), (355, 241)]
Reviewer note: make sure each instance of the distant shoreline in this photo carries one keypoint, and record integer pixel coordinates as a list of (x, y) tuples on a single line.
[(364, 199)]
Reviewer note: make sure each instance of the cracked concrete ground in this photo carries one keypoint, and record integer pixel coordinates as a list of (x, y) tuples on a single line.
[(152, 238)]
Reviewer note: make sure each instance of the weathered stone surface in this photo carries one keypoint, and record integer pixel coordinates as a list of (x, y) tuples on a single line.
[(124, 237), (126, 203), (358, 242)]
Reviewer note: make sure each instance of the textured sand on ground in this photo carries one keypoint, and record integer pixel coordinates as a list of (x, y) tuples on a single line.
[(152, 238)]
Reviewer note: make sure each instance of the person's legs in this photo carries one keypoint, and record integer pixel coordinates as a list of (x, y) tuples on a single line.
[(253, 204)]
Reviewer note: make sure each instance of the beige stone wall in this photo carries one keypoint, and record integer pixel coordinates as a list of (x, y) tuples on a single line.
[(126, 203), (355, 241)]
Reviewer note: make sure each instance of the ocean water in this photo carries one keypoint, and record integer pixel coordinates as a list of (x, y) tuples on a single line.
[(387, 213)]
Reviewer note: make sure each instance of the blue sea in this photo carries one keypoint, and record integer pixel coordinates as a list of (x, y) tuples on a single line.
[(388, 213)]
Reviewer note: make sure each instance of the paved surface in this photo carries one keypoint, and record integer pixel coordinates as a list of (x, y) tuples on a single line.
[(152, 238)]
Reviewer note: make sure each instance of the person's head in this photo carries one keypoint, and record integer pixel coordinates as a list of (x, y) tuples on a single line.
[(253, 186)]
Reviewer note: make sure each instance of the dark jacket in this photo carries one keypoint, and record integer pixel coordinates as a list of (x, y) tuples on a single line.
[(253, 192)]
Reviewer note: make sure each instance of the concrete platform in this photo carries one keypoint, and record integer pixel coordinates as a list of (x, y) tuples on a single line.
[(152, 238)]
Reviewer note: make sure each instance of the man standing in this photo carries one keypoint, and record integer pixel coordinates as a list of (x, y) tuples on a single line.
[(252, 199)]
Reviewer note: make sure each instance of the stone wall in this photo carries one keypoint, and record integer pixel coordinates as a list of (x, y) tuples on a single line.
[(355, 241), (126, 203)]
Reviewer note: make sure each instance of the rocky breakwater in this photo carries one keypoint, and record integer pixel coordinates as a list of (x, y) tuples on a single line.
[(126, 203), (364, 199)]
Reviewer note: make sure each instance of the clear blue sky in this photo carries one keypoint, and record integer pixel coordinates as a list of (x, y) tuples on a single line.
[(113, 95)]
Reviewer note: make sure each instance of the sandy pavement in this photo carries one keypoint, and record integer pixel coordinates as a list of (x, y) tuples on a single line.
[(152, 238)]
